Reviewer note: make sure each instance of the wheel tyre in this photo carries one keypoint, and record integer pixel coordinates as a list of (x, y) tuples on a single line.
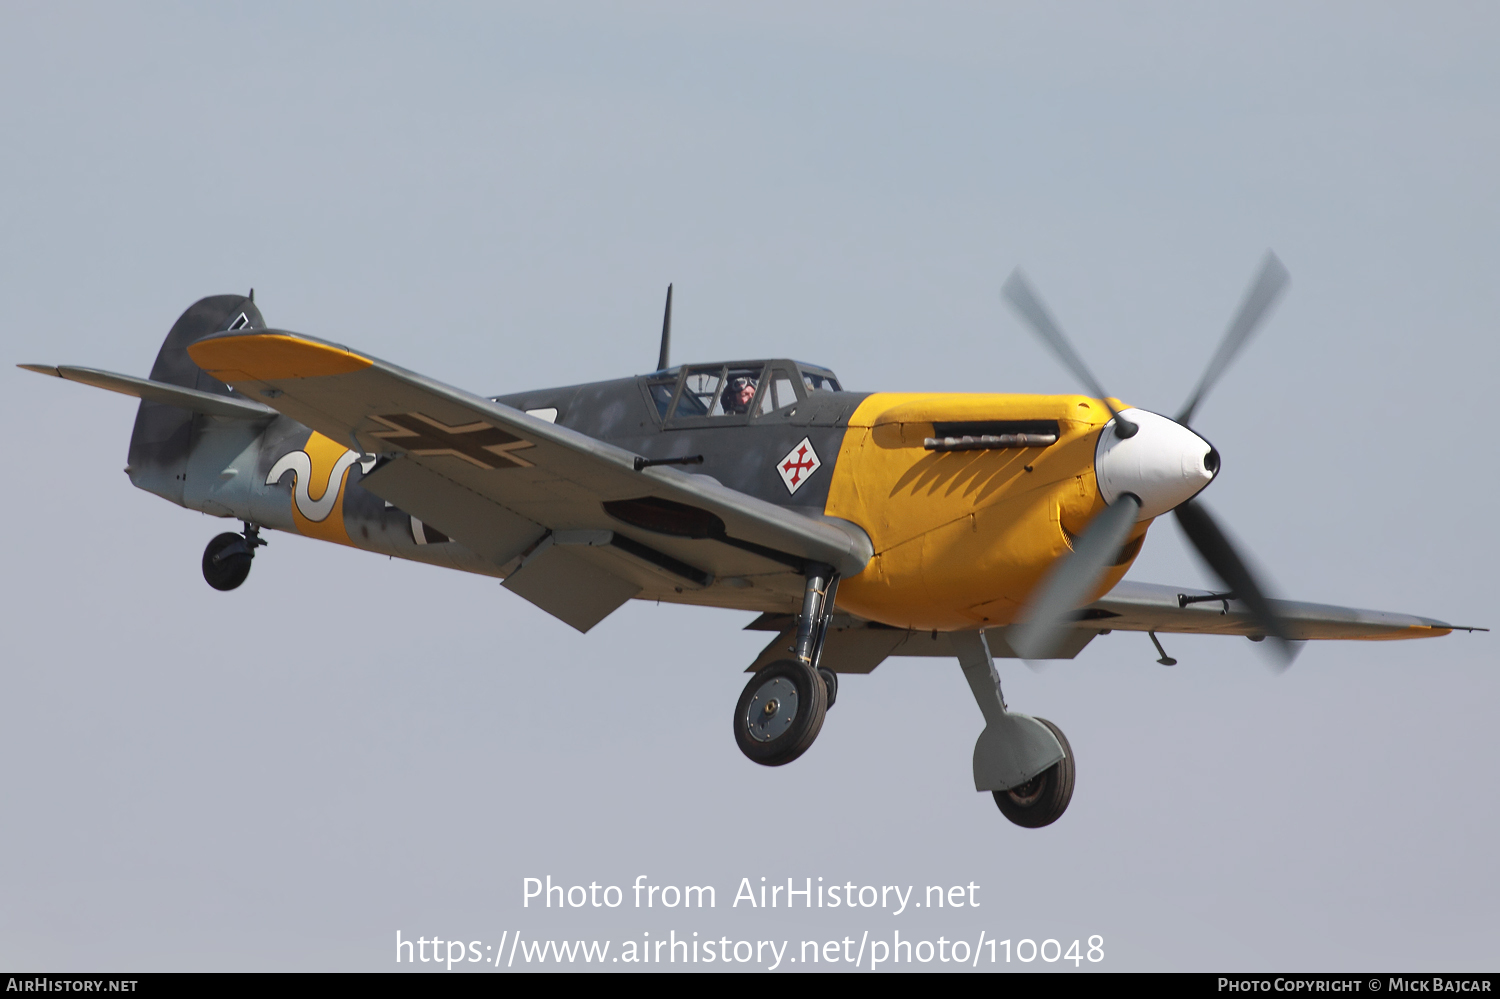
[(784, 726), (831, 682), (226, 573), (1042, 800)]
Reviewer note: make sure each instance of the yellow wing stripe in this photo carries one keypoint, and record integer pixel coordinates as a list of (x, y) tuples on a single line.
[(1410, 631), (265, 357)]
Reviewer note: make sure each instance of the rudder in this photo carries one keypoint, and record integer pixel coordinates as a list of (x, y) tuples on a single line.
[(163, 434)]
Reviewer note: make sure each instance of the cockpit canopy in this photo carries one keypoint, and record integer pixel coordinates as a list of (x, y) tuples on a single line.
[(734, 391)]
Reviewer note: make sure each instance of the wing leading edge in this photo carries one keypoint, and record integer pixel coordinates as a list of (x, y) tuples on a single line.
[(1132, 606)]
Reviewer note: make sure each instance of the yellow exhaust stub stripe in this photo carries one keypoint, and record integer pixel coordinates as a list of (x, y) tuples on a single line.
[(914, 409), (265, 357)]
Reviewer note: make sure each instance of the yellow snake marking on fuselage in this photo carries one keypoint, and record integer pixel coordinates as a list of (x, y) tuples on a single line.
[(318, 516)]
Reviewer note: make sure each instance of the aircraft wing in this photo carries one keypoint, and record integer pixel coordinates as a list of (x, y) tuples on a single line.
[(578, 527), (857, 646), (1132, 606)]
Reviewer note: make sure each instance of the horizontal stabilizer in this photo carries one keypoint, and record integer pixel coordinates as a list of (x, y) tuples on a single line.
[(172, 395)]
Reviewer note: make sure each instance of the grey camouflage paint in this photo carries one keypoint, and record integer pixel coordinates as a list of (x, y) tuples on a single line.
[(219, 465), (740, 452)]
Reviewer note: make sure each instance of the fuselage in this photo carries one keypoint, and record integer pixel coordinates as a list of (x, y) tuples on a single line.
[(961, 537)]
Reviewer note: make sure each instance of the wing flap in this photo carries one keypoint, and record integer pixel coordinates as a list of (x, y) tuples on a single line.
[(565, 582), (484, 526), (855, 649), (856, 646)]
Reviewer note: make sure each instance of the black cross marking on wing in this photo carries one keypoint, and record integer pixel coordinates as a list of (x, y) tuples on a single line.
[(478, 443)]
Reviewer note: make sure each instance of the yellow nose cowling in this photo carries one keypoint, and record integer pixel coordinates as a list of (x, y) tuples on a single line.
[(962, 537)]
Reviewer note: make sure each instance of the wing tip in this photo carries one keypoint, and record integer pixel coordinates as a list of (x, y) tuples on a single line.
[(272, 356)]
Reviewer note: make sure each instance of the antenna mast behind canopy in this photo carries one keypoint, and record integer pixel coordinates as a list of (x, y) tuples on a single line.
[(666, 333)]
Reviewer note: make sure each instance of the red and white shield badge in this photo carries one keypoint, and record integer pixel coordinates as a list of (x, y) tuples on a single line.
[(798, 465)]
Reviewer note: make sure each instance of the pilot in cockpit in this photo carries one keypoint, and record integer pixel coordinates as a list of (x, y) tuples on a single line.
[(737, 395)]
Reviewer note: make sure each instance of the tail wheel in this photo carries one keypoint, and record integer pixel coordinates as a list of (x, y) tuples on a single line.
[(226, 561), (780, 713), (1041, 800)]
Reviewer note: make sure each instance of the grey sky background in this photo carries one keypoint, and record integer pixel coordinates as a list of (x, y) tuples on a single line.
[(283, 776)]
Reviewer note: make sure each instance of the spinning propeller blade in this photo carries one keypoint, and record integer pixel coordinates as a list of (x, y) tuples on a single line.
[(1046, 622), (1219, 553), (1029, 307), (1040, 631), (1264, 291)]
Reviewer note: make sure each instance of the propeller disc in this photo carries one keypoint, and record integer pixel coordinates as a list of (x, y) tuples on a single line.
[(1142, 475)]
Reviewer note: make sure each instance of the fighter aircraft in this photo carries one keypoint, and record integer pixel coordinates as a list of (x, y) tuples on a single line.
[(859, 525)]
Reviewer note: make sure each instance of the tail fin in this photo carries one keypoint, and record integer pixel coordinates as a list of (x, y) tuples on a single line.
[(163, 435)]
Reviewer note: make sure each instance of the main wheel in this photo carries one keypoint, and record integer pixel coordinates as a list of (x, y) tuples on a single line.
[(831, 681), (1041, 800), (224, 570), (780, 713)]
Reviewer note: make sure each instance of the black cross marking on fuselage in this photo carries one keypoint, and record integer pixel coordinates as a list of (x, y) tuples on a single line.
[(478, 443)]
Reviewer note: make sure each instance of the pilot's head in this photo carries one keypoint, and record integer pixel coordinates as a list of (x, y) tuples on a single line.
[(737, 395)]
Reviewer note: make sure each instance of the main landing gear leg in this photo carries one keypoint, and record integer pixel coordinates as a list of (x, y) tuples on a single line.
[(812, 626), (226, 560), (1025, 762), (781, 710)]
